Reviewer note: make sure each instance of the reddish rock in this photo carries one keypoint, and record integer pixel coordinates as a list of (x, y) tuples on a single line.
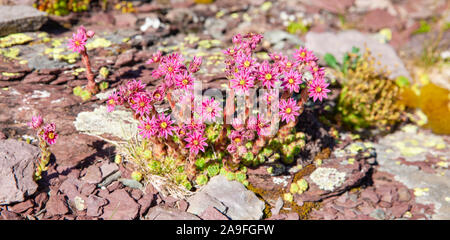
[(87, 189), (165, 213), (124, 58), (94, 205), (285, 216), (56, 205), (211, 213), (93, 175), (108, 168), (338, 7), (22, 207), (371, 195), (73, 149), (125, 20), (136, 194), (40, 200), (146, 202), (121, 206), (7, 215), (378, 19), (114, 186), (403, 194), (36, 78), (384, 204), (183, 205), (398, 209)]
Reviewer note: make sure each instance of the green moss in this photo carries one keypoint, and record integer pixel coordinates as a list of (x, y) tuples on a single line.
[(14, 39)]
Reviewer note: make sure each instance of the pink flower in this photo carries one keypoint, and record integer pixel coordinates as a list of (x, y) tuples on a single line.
[(113, 101), (156, 57), (148, 127), (236, 137), (78, 41), (141, 104), (259, 124), (245, 62), (195, 64), (237, 38), (36, 122), (242, 81), (237, 124), (289, 110), (267, 75), (170, 66), (292, 81), (286, 65), (196, 142), (158, 94), (90, 34), (231, 148), (210, 109), (231, 51), (318, 89), (184, 81), (316, 71), (164, 126), (135, 86), (50, 135), (276, 57), (270, 95), (304, 56)]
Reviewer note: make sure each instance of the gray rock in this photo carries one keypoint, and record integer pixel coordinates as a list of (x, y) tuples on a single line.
[(20, 18), (113, 177), (240, 203), (16, 170), (165, 213), (131, 183), (216, 27), (378, 214), (340, 43), (107, 169), (119, 123), (278, 37)]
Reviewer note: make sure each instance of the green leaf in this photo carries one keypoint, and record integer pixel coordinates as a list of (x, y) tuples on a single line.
[(402, 81), (424, 28), (331, 60)]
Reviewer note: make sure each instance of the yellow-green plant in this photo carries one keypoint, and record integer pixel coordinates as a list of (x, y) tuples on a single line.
[(369, 98), (62, 7)]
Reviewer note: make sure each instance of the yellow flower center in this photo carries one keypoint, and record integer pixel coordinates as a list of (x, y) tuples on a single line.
[(157, 95), (111, 101), (142, 104), (237, 140), (288, 64), (163, 125), (303, 54), (232, 51), (288, 110), (170, 69), (51, 135), (242, 82), (155, 59), (291, 81), (247, 63), (77, 43), (209, 109), (268, 76), (195, 142), (315, 69), (132, 101), (318, 89), (148, 127), (185, 81), (269, 98)]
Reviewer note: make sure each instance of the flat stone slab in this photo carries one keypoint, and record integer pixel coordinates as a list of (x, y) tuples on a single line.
[(20, 18), (340, 43), (16, 170), (229, 197)]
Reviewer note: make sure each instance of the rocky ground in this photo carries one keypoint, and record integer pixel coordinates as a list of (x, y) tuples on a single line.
[(403, 175)]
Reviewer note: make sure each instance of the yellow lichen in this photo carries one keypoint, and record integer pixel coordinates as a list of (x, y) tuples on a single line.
[(14, 39)]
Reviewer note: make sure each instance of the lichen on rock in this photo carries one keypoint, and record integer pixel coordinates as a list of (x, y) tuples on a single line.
[(328, 179)]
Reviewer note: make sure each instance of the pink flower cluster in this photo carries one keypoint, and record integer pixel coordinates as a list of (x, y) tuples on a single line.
[(47, 132), (246, 72)]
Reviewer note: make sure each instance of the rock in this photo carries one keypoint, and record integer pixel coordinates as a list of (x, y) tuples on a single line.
[(108, 168), (20, 18), (56, 205), (211, 213), (17, 170), (36, 78), (377, 19), (285, 216), (403, 194), (278, 205), (22, 207), (371, 195), (124, 58), (216, 27), (7, 215), (93, 175), (340, 43), (131, 183), (121, 206), (40, 200), (378, 214), (125, 20), (229, 197), (110, 179), (94, 205), (278, 37), (337, 7), (119, 123), (146, 202), (165, 213)]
